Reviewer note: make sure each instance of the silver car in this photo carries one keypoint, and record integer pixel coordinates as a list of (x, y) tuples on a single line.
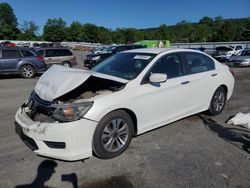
[(242, 59)]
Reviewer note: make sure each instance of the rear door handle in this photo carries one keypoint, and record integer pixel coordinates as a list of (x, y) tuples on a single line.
[(214, 74), (183, 83)]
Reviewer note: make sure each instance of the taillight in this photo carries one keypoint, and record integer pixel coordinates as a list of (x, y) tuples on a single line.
[(74, 59), (232, 72), (40, 57)]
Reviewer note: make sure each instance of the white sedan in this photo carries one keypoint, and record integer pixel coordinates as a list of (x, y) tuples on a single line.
[(73, 114)]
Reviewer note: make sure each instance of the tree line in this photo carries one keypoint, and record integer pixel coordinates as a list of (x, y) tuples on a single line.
[(56, 30)]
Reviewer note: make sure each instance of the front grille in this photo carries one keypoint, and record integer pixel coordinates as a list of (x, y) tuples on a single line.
[(38, 105)]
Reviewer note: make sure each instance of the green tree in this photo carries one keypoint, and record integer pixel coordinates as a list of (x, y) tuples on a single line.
[(164, 33), (55, 30), (245, 35), (104, 35), (118, 36), (90, 33), (74, 32), (29, 31), (206, 21), (225, 32), (8, 22), (133, 35), (183, 31)]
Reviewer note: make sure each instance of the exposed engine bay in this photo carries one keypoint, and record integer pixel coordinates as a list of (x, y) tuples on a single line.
[(40, 110)]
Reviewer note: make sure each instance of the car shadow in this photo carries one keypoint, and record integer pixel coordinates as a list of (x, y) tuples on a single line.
[(47, 168), (16, 76), (44, 172), (237, 136)]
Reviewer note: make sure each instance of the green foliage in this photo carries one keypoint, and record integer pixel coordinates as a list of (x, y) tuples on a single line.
[(74, 32), (8, 22), (90, 33), (29, 31), (55, 30)]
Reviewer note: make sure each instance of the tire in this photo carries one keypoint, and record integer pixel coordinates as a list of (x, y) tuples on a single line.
[(66, 64), (113, 134), (218, 101), (27, 71)]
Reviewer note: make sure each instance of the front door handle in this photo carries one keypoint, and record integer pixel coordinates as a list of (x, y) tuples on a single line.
[(183, 83), (214, 74)]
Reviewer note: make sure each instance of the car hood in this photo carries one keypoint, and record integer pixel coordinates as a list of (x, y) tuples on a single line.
[(59, 80)]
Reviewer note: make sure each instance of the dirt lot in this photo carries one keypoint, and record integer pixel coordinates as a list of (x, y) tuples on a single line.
[(198, 151)]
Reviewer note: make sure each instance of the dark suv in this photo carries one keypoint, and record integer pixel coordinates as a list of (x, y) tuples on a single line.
[(23, 61), (96, 57)]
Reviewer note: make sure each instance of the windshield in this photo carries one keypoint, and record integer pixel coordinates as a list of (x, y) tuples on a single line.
[(124, 65)]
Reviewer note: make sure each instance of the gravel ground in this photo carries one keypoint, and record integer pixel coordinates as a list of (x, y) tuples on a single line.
[(198, 151)]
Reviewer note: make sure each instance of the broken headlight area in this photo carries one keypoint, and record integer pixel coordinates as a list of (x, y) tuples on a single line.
[(50, 112), (70, 112)]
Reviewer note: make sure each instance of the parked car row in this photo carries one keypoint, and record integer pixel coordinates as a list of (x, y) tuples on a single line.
[(28, 62), (101, 54)]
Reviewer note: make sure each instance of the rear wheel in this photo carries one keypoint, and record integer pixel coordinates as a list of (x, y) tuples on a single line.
[(27, 71), (66, 64), (113, 135), (218, 101)]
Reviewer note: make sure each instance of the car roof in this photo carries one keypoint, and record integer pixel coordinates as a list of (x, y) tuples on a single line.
[(15, 48), (159, 50), (51, 49)]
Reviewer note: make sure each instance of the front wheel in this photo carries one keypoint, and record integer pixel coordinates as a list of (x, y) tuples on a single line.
[(218, 101), (113, 134)]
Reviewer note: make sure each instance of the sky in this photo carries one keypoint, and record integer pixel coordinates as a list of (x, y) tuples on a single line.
[(127, 13)]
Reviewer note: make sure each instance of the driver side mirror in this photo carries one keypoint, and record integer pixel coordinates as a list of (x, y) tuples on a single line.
[(158, 78)]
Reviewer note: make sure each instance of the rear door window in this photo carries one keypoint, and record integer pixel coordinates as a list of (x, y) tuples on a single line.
[(65, 53), (196, 63), (52, 53), (40, 52), (171, 65), (27, 53), (10, 54)]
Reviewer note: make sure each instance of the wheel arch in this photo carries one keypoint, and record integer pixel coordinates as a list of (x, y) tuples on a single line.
[(225, 88), (26, 63), (131, 114)]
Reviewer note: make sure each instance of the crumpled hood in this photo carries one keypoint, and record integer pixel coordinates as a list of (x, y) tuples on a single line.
[(59, 80)]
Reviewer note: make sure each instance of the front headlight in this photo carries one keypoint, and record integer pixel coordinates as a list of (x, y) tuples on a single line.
[(71, 112), (95, 58)]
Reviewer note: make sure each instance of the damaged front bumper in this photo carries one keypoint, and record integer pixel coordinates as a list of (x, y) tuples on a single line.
[(69, 141)]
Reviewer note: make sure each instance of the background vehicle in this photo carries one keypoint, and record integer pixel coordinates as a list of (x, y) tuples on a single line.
[(223, 53), (242, 59), (61, 56), (23, 61), (7, 44), (127, 94), (95, 58)]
